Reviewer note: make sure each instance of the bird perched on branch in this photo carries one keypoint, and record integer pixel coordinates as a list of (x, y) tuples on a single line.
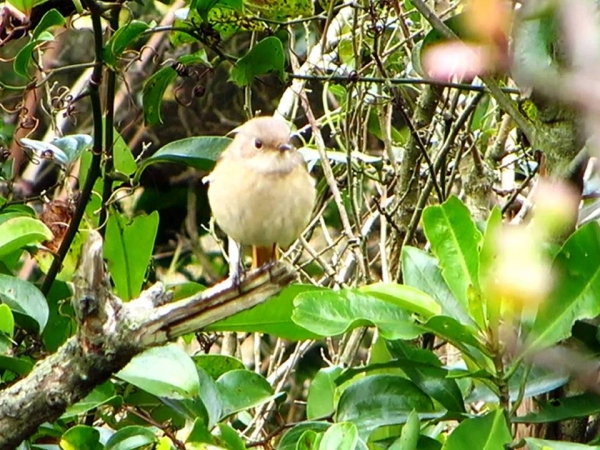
[(260, 191)]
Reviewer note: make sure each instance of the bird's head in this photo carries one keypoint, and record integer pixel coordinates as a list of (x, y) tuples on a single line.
[(262, 135)]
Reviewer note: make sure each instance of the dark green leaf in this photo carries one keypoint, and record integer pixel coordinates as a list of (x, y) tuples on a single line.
[(489, 432), (128, 249), (24, 298), (152, 94), (291, 437), (322, 393), (273, 316), (21, 231), (266, 56), (200, 152), (122, 39), (575, 295), (101, 394), (409, 438), (455, 241), (330, 313), (147, 371), (130, 438), (380, 400), (25, 55), (243, 389), (16, 365), (582, 405)]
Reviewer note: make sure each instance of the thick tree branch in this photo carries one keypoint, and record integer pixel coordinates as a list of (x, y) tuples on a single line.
[(112, 332)]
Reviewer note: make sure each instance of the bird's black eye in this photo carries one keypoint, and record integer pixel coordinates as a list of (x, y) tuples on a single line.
[(258, 144)]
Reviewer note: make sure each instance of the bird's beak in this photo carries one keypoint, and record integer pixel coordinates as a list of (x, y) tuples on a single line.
[(285, 147)]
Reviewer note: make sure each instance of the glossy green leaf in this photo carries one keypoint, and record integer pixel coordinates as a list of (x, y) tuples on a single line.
[(406, 297), (489, 432), (227, 437), (544, 444), (421, 270), (163, 371), (130, 438), (51, 18), (575, 295), (425, 370), (152, 94), (243, 389), (564, 408), (217, 365), (7, 320), (200, 152), (409, 437), (19, 366), (379, 400), (21, 231), (128, 249), (455, 241), (24, 58), (101, 394), (81, 437), (24, 298), (266, 56), (330, 313), (340, 436), (275, 316), (321, 394), (122, 39), (291, 437)]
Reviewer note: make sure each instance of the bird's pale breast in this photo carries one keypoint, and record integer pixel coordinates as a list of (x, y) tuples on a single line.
[(261, 209)]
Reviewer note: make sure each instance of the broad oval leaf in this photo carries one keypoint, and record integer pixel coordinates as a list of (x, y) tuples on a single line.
[(24, 298), (20, 231), (149, 372), (489, 432), (455, 241), (330, 313), (81, 437), (575, 295), (266, 56), (123, 38), (340, 436), (152, 94), (407, 297), (380, 400), (130, 438), (200, 152), (243, 389), (322, 393)]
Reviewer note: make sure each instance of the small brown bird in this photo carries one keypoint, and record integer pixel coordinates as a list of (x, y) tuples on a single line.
[(260, 191)]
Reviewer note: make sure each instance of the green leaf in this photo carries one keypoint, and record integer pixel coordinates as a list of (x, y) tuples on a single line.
[(81, 437), (122, 39), (575, 295), (272, 317), (420, 270), (19, 366), (291, 438), (52, 18), (424, 369), (380, 400), (455, 241), (229, 438), (63, 151), (123, 159), (200, 152), (487, 259), (406, 297), (24, 298), (152, 94), (200, 433), (130, 438), (340, 436), (21, 231), (128, 249), (266, 56), (25, 55), (282, 9), (489, 432), (243, 389), (101, 394), (148, 372), (321, 394), (544, 444), (565, 408), (330, 313), (217, 365), (409, 437), (7, 320)]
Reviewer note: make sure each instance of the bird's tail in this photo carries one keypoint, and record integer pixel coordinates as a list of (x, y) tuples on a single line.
[(263, 255)]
